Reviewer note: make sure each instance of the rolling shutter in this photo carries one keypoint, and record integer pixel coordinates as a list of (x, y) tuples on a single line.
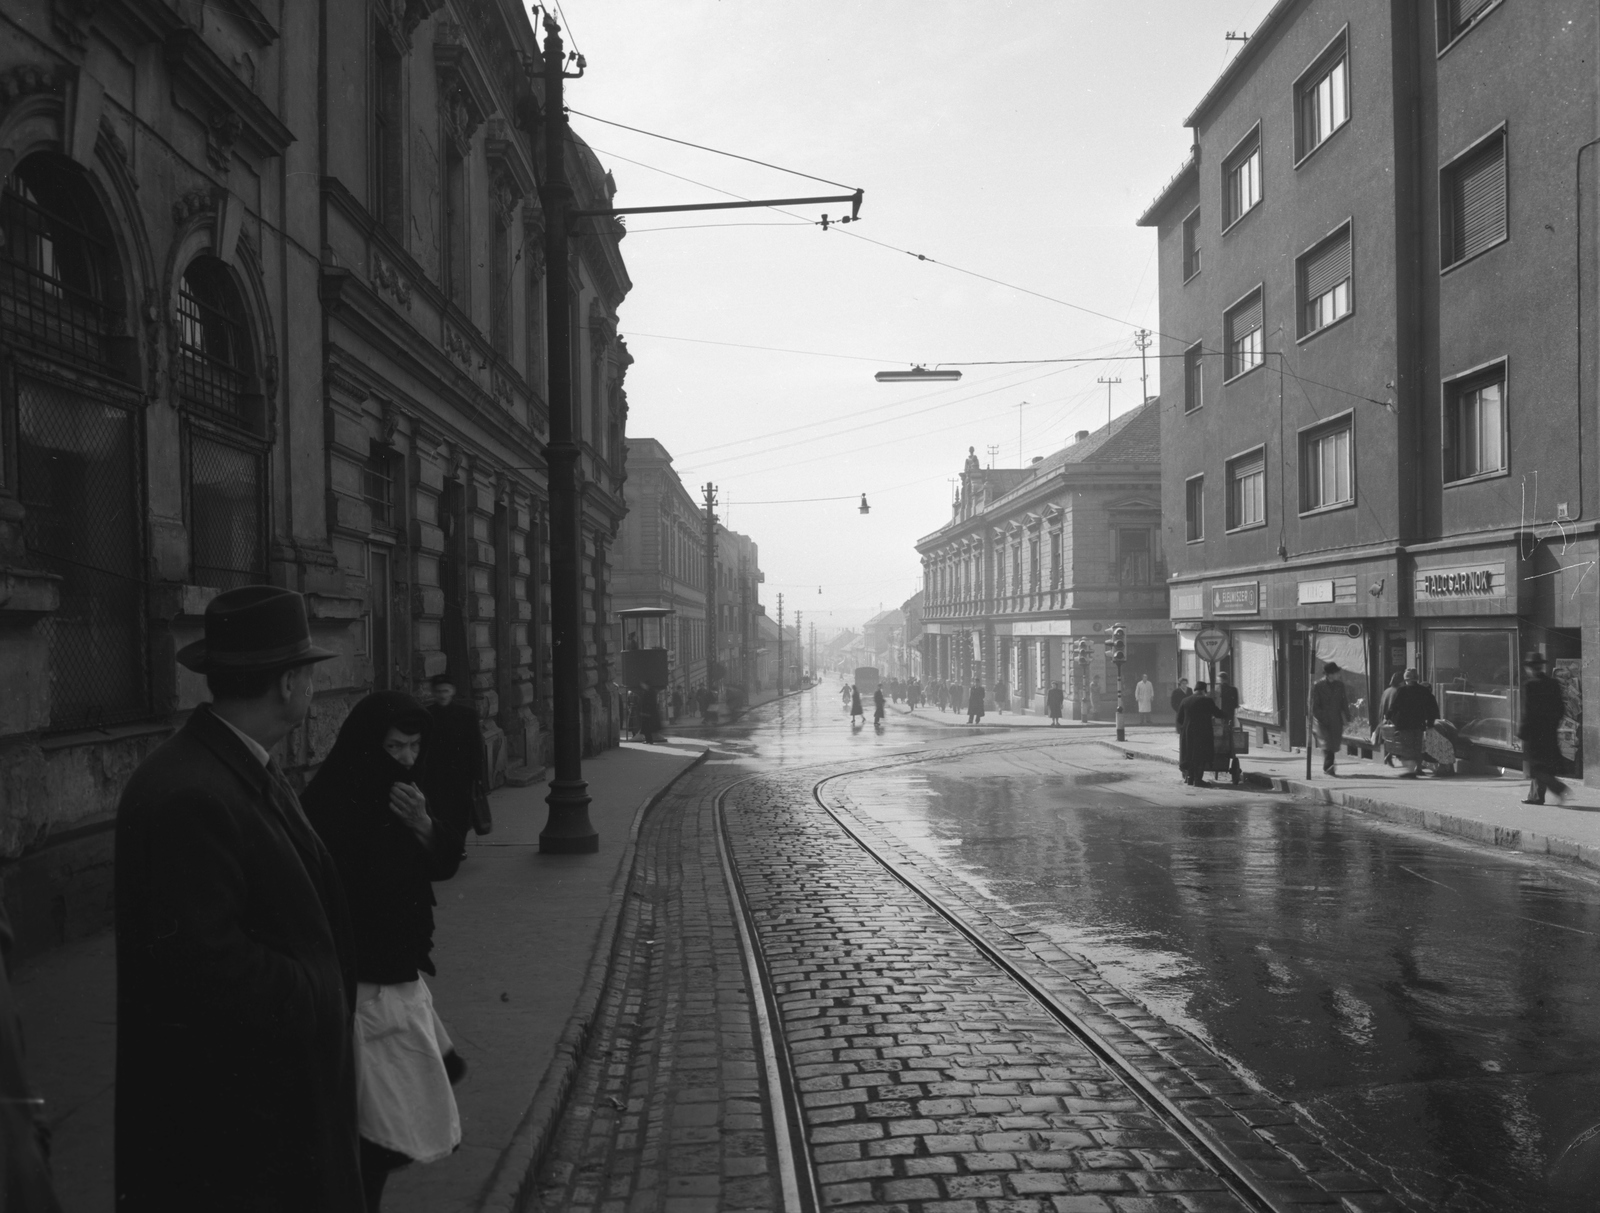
[(1478, 201), (1247, 317), (1328, 266)]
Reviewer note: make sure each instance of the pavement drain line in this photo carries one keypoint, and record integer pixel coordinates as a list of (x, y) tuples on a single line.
[(1504, 837), (514, 1178), (1102, 1016)]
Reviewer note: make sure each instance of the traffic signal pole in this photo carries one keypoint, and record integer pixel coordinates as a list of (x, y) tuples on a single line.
[(1119, 654)]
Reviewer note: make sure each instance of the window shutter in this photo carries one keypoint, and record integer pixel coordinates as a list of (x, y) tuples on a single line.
[(1465, 12), (1479, 201), (1250, 467), (1246, 318), (1328, 266)]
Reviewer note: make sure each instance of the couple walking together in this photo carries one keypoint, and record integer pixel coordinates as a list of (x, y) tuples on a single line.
[(277, 1047)]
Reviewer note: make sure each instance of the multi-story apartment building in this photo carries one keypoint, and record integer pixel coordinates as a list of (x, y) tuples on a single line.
[(1035, 558), (270, 311), (1378, 357)]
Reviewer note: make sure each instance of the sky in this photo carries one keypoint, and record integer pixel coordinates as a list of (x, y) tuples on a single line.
[(1013, 143)]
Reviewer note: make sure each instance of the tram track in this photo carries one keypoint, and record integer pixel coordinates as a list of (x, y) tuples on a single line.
[(1210, 1149)]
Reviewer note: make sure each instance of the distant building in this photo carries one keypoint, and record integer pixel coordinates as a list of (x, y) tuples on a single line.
[(1379, 354), (1036, 558), (884, 638)]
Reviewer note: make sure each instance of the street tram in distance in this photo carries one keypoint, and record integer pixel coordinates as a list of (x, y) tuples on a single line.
[(866, 680)]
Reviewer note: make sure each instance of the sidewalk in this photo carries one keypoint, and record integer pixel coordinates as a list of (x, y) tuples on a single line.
[(521, 944), (691, 725), (1484, 809)]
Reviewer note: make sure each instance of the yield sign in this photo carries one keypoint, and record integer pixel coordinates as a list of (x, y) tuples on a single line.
[(1211, 646)]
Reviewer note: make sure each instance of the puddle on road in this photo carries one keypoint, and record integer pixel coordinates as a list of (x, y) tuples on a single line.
[(1434, 1006)]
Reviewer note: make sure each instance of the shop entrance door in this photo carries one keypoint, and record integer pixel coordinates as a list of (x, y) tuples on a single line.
[(1394, 657)]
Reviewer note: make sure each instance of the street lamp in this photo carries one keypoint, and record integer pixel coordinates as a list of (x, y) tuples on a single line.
[(917, 374)]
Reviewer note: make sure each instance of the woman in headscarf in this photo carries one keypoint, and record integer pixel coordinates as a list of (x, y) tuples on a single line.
[(374, 818), (1390, 747)]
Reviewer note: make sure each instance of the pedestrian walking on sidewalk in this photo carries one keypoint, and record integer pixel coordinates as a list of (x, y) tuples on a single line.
[(1144, 696), (1329, 708), (1053, 703), (975, 705), (1412, 710), (649, 709), (1002, 696), (1383, 734), (855, 706), (370, 812), (236, 1080), (877, 707), (1179, 694), (457, 776), (677, 703), (1543, 708), (1196, 741)]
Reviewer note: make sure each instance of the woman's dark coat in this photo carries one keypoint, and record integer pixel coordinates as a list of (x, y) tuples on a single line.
[(855, 703), (455, 762), (235, 986), (388, 874), (975, 702), (1196, 744)]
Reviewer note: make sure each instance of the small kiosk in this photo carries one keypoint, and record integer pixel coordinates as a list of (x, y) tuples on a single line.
[(644, 648)]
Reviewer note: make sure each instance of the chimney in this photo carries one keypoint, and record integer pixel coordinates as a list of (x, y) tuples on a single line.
[(1080, 435)]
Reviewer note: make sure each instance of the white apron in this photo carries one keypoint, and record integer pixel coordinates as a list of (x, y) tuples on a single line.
[(403, 1096)]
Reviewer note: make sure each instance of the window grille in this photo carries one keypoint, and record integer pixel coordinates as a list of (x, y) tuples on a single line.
[(1474, 201), (210, 370), (52, 297), (79, 484), (226, 489)]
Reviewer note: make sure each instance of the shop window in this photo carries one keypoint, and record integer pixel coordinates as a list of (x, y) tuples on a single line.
[(1247, 490), (1475, 426), (1324, 99), (1241, 179), (1326, 475), (1472, 201), (1242, 335), (1193, 378), (1191, 244), (1474, 674), (1194, 507), (1255, 672), (1325, 283)]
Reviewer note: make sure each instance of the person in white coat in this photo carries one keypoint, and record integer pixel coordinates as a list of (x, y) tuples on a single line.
[(1145, 696)]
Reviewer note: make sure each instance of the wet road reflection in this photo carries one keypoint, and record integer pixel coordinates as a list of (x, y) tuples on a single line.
[(1431, 1005)]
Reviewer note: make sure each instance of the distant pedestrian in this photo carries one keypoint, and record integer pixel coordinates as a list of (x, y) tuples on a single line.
[(1144, 695), (1053, 703), (236, 1079), (975, 705), (1383, 734), (1329, 708), (1412, 710), (855, 706), (370, 812), (1196, 741), (648, 709), (676, 703), (457, 767), (1227, 697), (1179, 694), (1543, 708), (844, 696), (877, 706), (1002, 696)]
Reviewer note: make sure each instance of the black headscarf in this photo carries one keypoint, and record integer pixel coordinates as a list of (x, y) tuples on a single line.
[(386, 870)]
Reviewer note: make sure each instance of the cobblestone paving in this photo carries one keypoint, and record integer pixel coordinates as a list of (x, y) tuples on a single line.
[(668, 1110)]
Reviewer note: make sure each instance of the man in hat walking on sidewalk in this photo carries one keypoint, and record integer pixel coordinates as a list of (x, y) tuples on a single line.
[(1329, 710), (235, 974), (1543, 707)]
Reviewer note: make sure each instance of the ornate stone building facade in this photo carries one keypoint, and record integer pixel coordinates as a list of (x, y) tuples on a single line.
[(271, 311)]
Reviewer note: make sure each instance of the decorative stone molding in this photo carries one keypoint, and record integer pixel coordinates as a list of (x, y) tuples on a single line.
[(70, 20), (195, 202), (230, 110), (389, 280), (29, 78), (222, 132), (508, 162), (465, 99), (501, 388), (457, 346)]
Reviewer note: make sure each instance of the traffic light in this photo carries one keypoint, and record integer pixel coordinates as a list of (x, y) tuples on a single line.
[(1118, 644)]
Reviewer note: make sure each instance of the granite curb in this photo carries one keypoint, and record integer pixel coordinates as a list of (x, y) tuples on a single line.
[(1530, 841), (515, 1175)]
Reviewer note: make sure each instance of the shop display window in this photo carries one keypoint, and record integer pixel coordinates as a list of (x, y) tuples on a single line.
[(1475, 679), (1255, 672), (1350, 653)]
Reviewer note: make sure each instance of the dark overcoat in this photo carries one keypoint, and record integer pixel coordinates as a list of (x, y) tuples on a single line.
[(1544, 706), (455, 763), (975, 702), (1196, 743), (235, 987)]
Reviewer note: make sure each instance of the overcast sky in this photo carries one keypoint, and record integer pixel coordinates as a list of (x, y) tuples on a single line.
[(1019, 141)]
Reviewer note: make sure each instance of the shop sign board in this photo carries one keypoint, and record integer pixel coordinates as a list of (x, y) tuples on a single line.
[(1236, 598), (1474, 581), (1312, 592), (1211, 646), (1188, 603)]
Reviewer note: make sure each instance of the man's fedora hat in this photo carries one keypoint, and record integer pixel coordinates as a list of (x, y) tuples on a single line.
[(256, 627), (1534, 657)]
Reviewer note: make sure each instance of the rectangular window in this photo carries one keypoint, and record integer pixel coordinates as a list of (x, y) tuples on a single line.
[(1325, 471), (1057, 574), (226, 544), (1194, 394), (1191, 245), (1016, 569), (1241, 179), (388, 176), (1475, 426), (1325, 283), (1033, 564), (1133, 556), (455, 229), (1247, 490), (1194, 507), (1242, 335), (1456, 17), (1324, 95), (1472, 202), (377, 486)]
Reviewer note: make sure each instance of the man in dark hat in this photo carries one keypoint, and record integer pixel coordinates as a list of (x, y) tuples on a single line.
[(455, 755), (235, 975), (1543, 707), (1330, 709)]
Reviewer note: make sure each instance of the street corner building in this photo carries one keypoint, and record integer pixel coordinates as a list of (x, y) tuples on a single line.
[(1036, 559), (271, 311), (1379, 332)]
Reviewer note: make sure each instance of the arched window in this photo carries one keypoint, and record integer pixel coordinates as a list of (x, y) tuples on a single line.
[(75, 471), (213, 378)]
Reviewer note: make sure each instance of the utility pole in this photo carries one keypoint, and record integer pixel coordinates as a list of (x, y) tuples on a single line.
[(1142, 339), (994, 449), (812, 662), (567, 829), (710, 491), (1108, 383), (800, 649), (780, 642), (1022, 405)]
